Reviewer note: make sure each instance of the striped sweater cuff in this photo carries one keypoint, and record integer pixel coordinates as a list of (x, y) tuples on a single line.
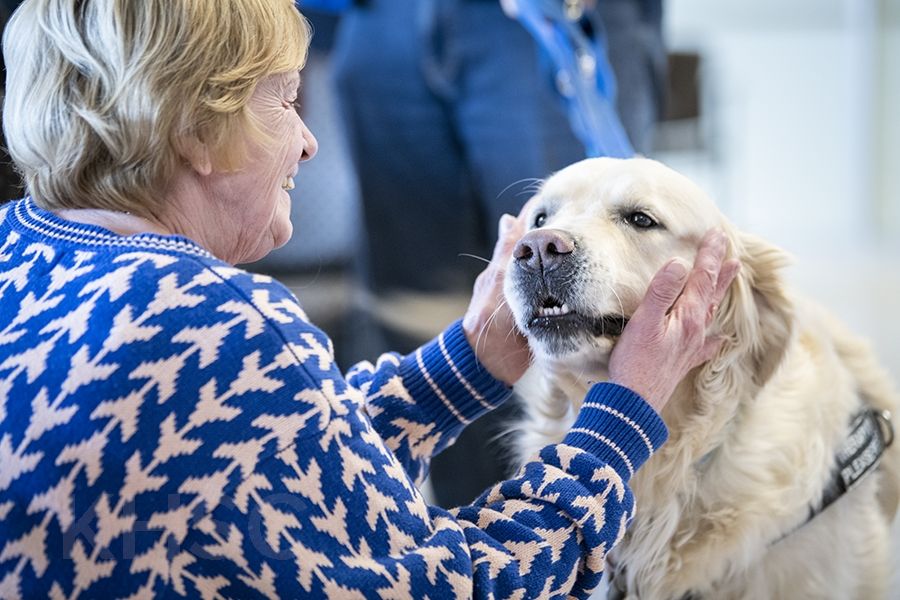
[(449, 383), (619, 427)]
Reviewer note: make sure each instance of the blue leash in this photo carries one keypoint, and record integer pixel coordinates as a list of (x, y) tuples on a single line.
[(576, 47)]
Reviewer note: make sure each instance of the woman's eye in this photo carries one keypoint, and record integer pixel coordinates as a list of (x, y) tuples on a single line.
[(540, 219), (292, 105), (641, 220)]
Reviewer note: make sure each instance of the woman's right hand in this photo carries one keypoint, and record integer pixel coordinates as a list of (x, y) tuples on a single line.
[(667, 335)]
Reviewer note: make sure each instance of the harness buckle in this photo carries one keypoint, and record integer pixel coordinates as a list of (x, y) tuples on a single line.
[(886, 425)]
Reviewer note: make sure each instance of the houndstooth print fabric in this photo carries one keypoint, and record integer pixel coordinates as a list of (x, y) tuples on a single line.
[(172, 426)]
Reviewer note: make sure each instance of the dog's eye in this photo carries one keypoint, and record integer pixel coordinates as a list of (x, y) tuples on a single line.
[(540, 219), (641, 220)]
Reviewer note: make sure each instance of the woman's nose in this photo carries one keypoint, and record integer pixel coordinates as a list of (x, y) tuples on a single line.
[(311, 144)]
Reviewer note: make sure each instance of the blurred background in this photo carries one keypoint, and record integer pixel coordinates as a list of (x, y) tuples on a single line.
[(785, 112)]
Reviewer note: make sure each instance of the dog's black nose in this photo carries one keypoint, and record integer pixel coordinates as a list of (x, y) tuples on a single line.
[(543, 250)]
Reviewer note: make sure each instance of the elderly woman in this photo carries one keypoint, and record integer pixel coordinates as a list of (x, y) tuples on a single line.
[(172, 424)]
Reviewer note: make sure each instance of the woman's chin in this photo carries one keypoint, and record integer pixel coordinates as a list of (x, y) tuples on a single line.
[(282, 232)]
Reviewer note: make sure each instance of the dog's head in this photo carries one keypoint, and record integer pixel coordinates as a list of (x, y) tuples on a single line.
[(597, 233)]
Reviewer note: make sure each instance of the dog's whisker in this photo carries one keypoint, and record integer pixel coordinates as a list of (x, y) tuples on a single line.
[(475, 256), (493, 315), (580, 376), (532, 180), (536, 184), (488, 322), (500, 435), (618, 298)]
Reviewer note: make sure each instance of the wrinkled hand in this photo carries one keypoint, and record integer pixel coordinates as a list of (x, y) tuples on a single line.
[(667, 335), (488, 323)]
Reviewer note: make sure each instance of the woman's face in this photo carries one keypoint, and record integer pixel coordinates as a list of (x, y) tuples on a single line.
[(255, 199)]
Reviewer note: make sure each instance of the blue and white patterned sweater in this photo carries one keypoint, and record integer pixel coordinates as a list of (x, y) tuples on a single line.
[(173, 426)]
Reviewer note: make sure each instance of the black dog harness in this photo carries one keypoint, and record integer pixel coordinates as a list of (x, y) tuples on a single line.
[(871, 432)]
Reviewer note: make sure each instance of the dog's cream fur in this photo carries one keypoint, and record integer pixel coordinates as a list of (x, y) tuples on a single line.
[(752, 434)]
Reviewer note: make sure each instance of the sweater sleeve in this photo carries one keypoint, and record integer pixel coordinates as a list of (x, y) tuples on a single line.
[(420, 403), (335, 516)]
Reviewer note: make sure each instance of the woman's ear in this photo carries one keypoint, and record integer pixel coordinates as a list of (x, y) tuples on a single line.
[(196, 154)]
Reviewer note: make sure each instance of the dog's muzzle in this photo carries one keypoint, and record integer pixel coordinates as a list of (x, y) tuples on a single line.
[(549, 276)]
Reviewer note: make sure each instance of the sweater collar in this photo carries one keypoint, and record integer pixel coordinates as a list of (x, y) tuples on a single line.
[(26, 214)]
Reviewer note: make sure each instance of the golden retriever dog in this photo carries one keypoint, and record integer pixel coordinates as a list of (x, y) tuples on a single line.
[(724, 507)]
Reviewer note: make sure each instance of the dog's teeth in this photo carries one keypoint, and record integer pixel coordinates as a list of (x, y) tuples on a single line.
[(554, 311)]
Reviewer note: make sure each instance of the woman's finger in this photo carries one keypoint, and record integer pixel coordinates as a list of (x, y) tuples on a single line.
[(729, 271), (506, 240), (665, 287), (701, 285)]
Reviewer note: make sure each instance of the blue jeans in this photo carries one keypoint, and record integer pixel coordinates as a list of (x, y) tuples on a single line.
[(450, 113)]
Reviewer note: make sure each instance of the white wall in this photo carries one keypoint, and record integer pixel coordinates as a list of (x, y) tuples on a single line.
[(802, 102), (790, 114), (888, 183), (802, 116)]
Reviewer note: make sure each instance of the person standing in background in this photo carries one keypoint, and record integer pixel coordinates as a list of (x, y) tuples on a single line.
[(451, 114)]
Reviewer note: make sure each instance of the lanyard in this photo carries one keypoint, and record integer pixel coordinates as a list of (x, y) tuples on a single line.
[(584, 77), (575, 45)]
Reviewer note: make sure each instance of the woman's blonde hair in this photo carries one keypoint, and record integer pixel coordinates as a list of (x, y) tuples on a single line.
[(103, 95)]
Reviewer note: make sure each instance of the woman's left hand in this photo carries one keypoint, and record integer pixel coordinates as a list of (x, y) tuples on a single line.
[(488, 324)]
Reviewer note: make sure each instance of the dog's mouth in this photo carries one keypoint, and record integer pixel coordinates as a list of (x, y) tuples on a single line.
[(557, 317), (556, 308)]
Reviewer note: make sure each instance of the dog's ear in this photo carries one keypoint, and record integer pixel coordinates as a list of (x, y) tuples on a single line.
[(756, 316)]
